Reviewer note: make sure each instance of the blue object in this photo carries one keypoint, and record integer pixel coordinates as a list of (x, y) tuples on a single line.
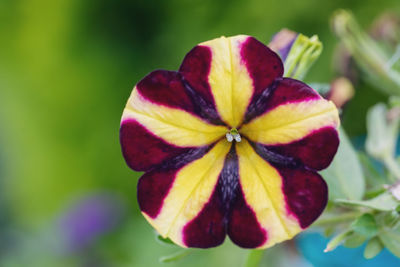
[(312, 245)]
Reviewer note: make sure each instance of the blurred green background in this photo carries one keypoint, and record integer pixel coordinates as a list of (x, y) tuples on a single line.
[(67, 68)]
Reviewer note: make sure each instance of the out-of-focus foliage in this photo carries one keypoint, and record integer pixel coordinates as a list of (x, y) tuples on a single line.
[(366, 210), (66, 70)]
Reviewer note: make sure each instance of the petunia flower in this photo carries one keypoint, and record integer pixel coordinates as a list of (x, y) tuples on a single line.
[(229, 147)]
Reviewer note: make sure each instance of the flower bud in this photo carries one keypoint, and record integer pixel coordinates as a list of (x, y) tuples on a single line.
[(341, 91), (298, 52)]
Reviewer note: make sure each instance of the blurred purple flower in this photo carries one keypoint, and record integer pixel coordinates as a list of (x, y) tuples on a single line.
[(282, 42), (90, 218)]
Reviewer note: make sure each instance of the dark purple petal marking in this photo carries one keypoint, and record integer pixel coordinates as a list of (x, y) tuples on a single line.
[(263, 64), (208, 228), (315, 151), (170, 89), (226, 211), (154, 185), (152, 188), (306, 194), (274, 157), (143, 150), (229, 180), (243, 227), (202, 108), (195, 69), (165, 88), (282, 91)]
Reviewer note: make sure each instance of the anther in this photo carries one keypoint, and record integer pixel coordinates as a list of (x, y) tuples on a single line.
[(233, 134)]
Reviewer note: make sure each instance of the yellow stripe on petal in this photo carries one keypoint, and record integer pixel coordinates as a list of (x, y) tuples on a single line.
[(230, 82), (262, 188), (290, 122), (190, 191), (175, 126)]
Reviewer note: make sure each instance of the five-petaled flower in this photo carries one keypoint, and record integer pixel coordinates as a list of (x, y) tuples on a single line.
[(229, 147)]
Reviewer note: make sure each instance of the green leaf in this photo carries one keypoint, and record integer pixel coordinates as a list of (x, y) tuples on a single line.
[(383, 202), (374, 246), (373, 178), (354, 240), (365, 225), (391, 239), (176, 256), (381, 132), (388, 219), (344, 176)]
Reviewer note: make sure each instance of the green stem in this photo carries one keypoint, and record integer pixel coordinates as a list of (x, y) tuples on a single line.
[(176, 256), (337, 219), (254, 258), (392, 166)]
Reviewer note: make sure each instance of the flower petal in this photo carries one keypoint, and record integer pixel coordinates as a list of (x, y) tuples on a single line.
[(159, 122), (154, 185), (175, 126), (261, 185), (291, 122), (306, 194), (282, 91), (165, 88), (227, 72), (191, 213), (282, 200), (242, 225), (143, 150), (315, 150)]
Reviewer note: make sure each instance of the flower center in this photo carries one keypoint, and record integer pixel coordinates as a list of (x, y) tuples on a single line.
[(233, 134)]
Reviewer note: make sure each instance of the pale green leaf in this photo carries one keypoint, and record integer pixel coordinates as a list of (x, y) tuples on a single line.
[(391, 239), (354, 240), (344, 176), (383, 202), (365, 225), (374, 246)]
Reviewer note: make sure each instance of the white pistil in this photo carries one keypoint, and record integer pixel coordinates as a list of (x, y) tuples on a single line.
[(229, 137), (236, 136)]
